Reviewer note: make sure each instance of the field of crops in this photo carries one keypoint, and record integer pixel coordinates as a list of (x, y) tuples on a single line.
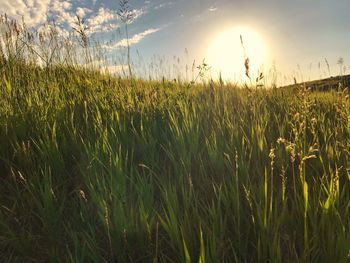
[(101, 169)]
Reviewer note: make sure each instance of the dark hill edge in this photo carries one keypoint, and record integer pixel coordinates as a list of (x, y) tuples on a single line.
[(327, 84)]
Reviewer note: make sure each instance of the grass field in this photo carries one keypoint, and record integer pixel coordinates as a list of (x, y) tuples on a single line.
[(95, 168)]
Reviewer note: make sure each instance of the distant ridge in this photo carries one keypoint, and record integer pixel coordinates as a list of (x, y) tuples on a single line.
[(324, 84)]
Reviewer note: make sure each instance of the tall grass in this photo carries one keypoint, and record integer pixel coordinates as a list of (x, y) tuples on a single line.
[(95, 168)]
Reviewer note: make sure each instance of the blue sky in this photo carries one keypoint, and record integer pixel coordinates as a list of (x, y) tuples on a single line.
[(299, 34)]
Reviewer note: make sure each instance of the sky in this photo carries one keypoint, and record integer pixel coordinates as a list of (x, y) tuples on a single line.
[(166, 35)]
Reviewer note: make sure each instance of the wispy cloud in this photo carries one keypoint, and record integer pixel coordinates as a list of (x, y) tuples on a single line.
[(163, 5), (213, 9), (134, 39)]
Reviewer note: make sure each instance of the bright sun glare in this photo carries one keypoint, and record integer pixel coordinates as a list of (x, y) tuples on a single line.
[(225, 53)]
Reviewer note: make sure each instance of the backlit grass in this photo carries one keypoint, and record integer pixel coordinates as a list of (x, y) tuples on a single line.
[(101, 169)]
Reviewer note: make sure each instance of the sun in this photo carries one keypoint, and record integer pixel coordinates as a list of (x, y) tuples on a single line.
[(226, 54)]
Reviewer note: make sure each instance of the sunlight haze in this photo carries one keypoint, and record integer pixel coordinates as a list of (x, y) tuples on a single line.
[(226, 53)]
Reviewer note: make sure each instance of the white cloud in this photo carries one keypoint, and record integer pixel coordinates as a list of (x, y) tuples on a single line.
[(46, 29), (103, 15), (135, 39), (34, 12), (104, 20), (61, 10), (137, 13), (213, 9), (82, 11)]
